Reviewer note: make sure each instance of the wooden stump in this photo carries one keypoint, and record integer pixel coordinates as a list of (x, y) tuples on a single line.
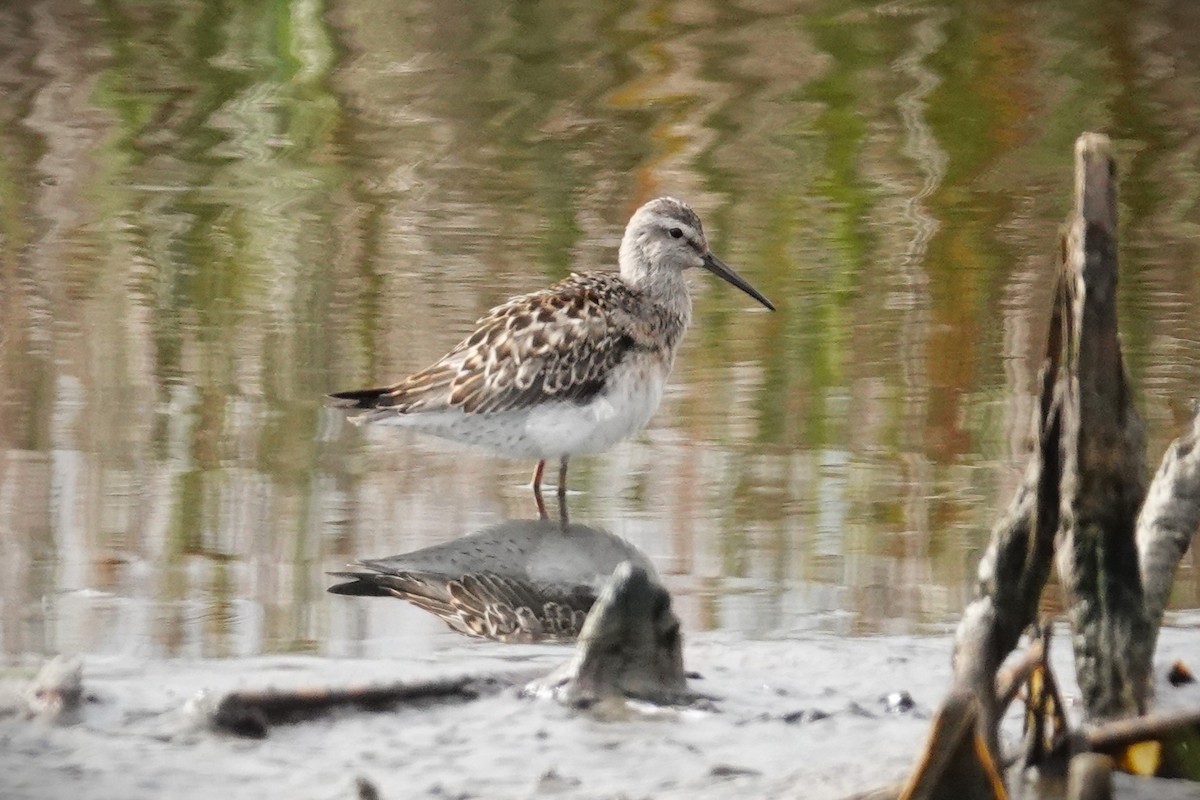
[(1083, 489), (1103, 446)]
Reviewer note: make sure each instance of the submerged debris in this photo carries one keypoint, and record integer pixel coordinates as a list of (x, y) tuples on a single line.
[(630, 648), (55, 695)]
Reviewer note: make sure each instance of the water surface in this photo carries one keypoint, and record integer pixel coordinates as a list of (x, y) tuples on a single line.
[(211, 214)]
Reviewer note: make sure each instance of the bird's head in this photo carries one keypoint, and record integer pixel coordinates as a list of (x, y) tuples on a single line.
[(664, 237)]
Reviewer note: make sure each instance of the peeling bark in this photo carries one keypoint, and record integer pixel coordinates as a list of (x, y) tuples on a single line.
[(1103, 465)]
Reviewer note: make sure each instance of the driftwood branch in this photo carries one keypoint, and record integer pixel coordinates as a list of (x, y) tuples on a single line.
[(252, 713), (1169, 520), (1017, 562), (956, 762), (1111, 737)]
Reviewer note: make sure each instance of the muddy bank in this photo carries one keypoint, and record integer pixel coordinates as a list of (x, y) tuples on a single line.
[(797, 718)]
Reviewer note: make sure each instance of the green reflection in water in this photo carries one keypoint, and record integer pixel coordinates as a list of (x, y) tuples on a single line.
[(213, 213), (233, 149)]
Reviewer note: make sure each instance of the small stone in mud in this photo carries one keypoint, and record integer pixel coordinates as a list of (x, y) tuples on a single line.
[(898, 702), (804, 715), (1180, 675), (55, 695), (365, 789)]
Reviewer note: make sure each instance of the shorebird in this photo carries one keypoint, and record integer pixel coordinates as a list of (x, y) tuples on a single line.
[(570, 369)]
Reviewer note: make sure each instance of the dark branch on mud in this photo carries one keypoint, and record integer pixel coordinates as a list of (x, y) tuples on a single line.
[(252, 713)]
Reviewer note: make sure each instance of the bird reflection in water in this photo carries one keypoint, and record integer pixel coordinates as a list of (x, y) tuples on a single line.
[(516, 581)]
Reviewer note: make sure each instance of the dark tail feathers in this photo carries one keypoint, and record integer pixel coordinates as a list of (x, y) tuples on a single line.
[(361, 398), (361, 585)]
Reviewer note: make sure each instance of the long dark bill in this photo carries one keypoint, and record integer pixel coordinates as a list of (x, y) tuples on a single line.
[(722, 270)]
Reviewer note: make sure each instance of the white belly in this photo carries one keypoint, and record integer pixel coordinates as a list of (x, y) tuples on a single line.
[(555, 429), (623, 409)]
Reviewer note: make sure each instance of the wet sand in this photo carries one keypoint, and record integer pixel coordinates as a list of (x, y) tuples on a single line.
[(800, 717)]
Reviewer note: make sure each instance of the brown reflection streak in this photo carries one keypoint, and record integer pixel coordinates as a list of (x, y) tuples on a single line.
[(204, 227), (962, 302)]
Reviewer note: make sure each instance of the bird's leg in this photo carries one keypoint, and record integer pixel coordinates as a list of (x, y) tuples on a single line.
[(537, 489), (562, 492), (562, 478)]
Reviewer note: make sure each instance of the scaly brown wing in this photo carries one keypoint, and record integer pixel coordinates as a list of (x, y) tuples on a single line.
[(481, 604), (559, 343)]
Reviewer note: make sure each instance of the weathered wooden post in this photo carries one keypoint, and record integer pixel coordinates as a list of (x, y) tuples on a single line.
[(1084, 485), (1084, 499), (1081, 500), (1103, 456)]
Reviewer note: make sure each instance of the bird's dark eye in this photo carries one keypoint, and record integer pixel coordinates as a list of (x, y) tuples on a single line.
[(676, 233)]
